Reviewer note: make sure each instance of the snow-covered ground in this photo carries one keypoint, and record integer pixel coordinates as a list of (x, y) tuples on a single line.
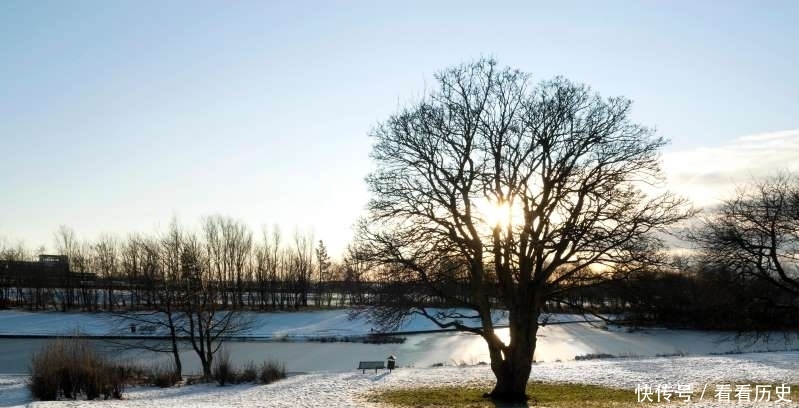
[(349, 389)]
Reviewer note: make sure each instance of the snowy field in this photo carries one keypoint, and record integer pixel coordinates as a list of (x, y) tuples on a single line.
[(349, 389)]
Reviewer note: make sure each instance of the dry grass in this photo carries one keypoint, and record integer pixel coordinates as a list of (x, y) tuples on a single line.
[(542, 394)]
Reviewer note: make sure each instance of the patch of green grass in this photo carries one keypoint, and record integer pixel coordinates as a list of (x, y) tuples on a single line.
[(542, 394)]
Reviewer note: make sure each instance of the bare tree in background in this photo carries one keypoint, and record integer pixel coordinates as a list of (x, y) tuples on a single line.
[(272, 260), (260, 270), (105, 253), (756, 234), (12, 253), (79, 255), (300, 267), (324, 294), (207, 322), (66, 244), (65, 241), (131, 254), (159, 260), (228, 244), (353, 271), (496, 194)]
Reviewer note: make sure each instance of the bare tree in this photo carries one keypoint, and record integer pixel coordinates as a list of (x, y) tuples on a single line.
[(228, 244), (106, 262), (205, 321), (323, 293), (8, 254), (260, 268), (160, 266), (131, 266), (494, 194), (300, 267), (756, 234), (79, 254), (353, 271), (272, 260)]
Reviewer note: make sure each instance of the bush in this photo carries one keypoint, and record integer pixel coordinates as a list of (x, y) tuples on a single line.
[(271, 372), (163, 376), (70, 368), (593, 356), (249, 373), (223, 371)]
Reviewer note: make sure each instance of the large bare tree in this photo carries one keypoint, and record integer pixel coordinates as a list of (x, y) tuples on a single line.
[(492, 193)]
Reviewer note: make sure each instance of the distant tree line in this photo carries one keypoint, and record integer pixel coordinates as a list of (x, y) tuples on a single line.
[(140, 272)]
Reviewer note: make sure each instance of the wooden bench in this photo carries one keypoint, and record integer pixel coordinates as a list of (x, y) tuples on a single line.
[(368, 365)]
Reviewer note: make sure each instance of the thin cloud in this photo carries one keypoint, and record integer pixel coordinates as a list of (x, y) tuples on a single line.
[(710, 174)]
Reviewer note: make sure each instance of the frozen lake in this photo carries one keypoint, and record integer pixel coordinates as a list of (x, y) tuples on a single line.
[(299, 356), (560, 342)]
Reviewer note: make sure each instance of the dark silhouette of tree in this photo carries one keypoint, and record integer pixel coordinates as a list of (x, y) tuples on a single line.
[(353, 271), (756, 234), (206, 321), (12, 288), (323, 293), (66, 244), (492, 193), (300, 268), (160, 262), (105, 254)]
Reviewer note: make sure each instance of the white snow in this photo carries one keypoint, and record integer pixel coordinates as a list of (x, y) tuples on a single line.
[(349, 389)]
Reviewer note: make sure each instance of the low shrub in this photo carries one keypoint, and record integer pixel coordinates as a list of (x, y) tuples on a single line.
[(223, 371), (70, 368), (163, 376), (249, 374), (593, 356), (271, 371)]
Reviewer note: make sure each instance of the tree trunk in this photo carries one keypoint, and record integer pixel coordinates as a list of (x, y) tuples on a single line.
[(175, 350), (206, 368), (512, 364)]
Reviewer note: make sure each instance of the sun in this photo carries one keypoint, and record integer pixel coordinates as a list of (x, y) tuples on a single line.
[(495, 214)]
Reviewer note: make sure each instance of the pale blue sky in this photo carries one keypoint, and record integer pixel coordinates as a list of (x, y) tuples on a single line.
[(117, 115)]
